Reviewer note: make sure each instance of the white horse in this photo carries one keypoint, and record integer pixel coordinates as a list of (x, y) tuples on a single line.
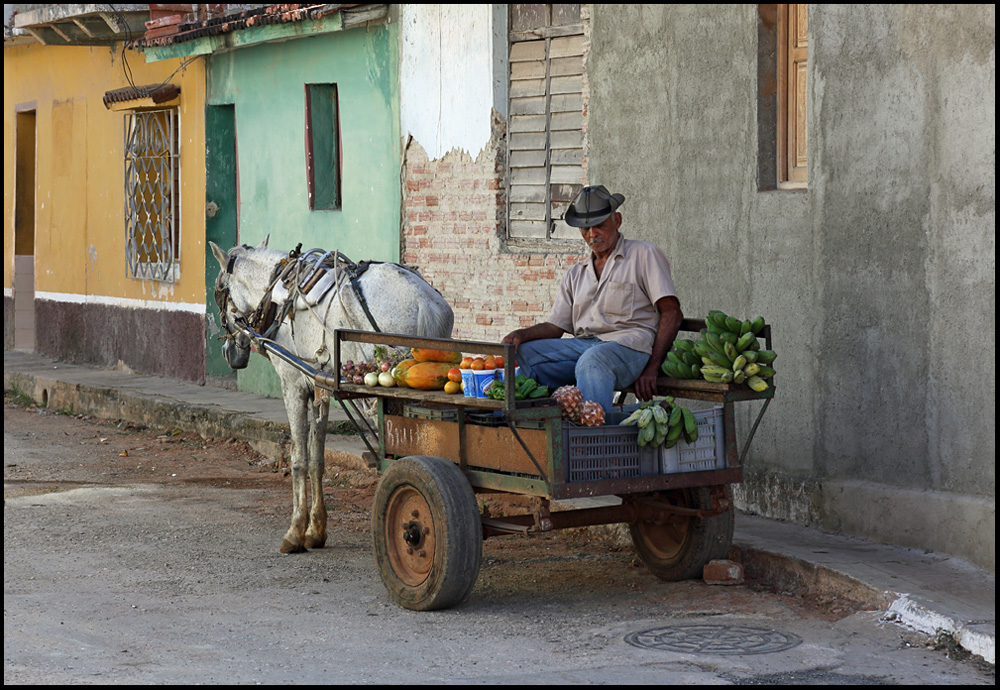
[(397, 299)]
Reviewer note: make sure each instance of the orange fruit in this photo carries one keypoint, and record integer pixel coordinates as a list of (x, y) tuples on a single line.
[(499, 362), (466, 363), (455, 375), (478, 364), (453, 387)]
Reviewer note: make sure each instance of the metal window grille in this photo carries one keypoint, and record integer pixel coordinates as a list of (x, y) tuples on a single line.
[(151, 194)]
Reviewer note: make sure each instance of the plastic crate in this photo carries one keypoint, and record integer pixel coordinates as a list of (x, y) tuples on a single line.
[(706, 453), (494, 418), (612, 451), (593, 453), (497, 419), (440, 414)]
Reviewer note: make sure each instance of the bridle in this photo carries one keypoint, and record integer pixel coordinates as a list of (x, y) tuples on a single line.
[(241, 329)]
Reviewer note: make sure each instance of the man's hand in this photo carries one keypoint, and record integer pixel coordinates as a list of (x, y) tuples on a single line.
[(514, 338), (536, 332), (645, 385)]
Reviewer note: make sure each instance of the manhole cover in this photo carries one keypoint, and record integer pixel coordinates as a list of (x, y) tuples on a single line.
[(714, 639)]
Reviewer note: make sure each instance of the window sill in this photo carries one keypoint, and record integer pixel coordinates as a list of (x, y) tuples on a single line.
[(793, 186), (150, 271), (530, 245)]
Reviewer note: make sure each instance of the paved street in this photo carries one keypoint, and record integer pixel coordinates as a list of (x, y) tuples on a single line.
[(137, 556)]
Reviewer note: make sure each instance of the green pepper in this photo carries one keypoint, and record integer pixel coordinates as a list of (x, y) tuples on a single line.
[(540, 392), (529, 385), (496, 390)]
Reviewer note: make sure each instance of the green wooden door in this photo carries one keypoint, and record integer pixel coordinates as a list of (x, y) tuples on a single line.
[(221, 220)]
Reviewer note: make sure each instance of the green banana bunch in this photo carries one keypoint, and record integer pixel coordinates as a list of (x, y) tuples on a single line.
[(729, 352), (682, 362), (661, 422)]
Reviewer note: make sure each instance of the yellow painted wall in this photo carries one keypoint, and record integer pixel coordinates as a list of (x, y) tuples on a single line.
[(79, 195)]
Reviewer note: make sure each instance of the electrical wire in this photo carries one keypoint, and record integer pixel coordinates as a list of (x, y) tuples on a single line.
[(127, 69), (128, 39)]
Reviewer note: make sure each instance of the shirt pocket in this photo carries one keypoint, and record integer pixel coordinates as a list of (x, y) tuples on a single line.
[(618, 299)]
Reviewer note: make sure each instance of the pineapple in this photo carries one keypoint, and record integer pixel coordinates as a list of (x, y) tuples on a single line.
[(569, 398), (591, 414)]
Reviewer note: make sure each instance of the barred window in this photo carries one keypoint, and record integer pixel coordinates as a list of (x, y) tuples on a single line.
[(545, 136), (152, 204)]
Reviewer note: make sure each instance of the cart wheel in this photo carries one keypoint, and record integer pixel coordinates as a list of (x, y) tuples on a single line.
[(679, 549), (427, 533)]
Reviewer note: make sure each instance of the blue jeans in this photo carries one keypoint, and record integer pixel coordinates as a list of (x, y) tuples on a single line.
[(596, 367)]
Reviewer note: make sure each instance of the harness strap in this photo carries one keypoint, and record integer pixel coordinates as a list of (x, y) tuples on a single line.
[(338, 262), (362, 300)]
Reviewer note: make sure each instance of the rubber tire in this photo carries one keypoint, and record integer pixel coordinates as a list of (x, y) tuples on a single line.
[(680, 551), (448, 521)]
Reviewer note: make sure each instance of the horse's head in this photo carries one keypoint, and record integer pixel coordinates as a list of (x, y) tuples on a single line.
[(234, 304)]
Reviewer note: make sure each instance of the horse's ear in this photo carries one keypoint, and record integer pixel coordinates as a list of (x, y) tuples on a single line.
[(263, 245), (220, 256)]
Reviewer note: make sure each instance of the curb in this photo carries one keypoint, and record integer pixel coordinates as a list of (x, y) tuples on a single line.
[(210, 421)]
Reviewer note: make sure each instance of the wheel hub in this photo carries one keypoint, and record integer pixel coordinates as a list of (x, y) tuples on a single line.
[(409, 531), (412, 534)]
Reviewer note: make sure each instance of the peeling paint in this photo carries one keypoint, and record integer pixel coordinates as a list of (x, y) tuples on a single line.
[(445, 103)]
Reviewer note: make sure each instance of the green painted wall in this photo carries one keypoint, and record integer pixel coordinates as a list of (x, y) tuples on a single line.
[(266, 84)]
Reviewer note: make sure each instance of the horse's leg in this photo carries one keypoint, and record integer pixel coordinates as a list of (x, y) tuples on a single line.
[(297, 407), (316, 533)]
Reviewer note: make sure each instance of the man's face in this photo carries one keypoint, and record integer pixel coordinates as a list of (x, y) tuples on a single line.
[(603, 238)]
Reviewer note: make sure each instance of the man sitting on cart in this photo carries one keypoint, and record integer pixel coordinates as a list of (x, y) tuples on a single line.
[(619, 306)]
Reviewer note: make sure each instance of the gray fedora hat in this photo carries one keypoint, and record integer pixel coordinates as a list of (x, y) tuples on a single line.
[(592, 206)]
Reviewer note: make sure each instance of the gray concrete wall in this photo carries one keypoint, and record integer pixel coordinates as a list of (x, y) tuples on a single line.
[(879, 280)]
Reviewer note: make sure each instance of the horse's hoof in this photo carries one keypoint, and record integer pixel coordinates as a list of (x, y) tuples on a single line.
[(315, 542), (289, 547)]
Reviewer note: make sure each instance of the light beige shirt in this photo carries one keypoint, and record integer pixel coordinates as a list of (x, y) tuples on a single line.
[(621, 306)]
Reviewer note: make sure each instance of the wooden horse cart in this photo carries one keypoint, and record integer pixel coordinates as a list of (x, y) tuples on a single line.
[(437, 451)]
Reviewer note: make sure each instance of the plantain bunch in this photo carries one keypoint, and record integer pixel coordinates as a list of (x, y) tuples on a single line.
[(663, 423), (727, 352)]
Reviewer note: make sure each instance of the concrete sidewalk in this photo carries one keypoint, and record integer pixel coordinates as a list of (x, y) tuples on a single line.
[(932, 593)]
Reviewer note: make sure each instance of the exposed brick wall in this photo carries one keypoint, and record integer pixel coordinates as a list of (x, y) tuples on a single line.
[(454, 213), (452, 230)]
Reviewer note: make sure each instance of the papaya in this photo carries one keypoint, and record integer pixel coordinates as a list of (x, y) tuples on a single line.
[(399, 371), (422, 354), (428, 376)]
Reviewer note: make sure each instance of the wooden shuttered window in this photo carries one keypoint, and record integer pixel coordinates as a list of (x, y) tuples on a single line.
[(793, 51), (545, 134)]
